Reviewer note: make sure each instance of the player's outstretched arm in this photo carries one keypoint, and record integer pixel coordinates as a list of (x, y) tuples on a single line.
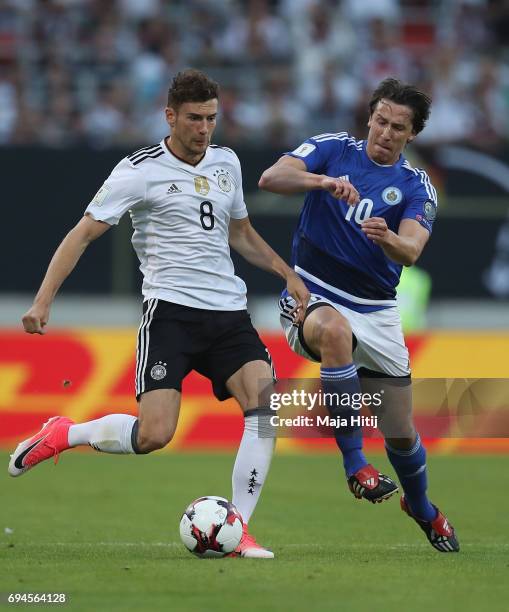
[(289, 175), (247, 242), (62, 263)]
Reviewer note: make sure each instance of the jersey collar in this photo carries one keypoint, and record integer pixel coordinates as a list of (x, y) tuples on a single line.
[(174, 157)]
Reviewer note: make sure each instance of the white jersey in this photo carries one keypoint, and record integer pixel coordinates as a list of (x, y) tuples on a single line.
[(180, 215)]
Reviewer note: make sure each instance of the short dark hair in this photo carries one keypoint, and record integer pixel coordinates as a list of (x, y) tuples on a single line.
[(401, 93), (191, 86)]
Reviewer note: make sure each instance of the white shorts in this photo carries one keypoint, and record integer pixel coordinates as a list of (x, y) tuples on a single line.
[(380, 342)]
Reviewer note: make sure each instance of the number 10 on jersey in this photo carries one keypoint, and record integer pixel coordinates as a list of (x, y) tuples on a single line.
[(362, 211)]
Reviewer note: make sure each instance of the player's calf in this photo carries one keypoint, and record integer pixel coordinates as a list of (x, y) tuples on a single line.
[(157, 421), (144, 443)]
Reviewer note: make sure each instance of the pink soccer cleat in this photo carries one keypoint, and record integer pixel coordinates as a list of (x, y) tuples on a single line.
[(249, 547), (48, 442)]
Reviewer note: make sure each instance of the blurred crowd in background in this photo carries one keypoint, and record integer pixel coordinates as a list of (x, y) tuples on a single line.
[(96, 72)]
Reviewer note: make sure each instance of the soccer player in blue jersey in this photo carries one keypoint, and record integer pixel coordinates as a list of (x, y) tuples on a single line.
[(367, 212)]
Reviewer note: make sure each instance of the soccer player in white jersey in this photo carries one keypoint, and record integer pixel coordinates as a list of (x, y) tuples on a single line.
[(367, 213), (185, 199)]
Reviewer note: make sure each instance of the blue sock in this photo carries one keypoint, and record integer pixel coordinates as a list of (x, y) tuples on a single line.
[(410, 466), (339, 381)]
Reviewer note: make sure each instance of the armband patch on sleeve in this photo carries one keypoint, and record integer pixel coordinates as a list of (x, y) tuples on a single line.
[(100, 196), (430, 210), (304, 150)]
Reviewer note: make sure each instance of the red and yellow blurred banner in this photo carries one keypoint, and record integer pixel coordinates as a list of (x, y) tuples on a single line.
[(88, 373)]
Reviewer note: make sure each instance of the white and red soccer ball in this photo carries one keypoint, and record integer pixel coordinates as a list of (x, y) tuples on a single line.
[(211, 527)]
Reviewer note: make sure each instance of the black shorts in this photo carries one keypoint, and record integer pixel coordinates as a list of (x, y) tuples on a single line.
[(175, 339)]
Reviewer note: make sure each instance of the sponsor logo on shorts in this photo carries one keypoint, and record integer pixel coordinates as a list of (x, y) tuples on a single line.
[(158, 372)]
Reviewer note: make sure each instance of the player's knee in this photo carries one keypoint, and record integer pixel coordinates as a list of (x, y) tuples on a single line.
[(335, 335), (252, 384), (402, 443)]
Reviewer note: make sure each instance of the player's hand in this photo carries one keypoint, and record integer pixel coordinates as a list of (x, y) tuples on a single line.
[(341, 190), (35, 319), (300, 293), (375, 228)]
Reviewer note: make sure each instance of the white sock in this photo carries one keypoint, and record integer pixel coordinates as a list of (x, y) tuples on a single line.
[(110, 434), (252, 463)]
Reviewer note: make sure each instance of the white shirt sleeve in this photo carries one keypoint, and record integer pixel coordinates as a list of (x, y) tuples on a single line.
[(239, 208), (123, 190)]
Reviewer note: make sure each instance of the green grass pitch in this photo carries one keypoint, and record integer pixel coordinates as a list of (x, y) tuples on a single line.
[(104, 530)]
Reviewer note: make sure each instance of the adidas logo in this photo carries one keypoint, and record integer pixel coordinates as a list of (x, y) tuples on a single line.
[(174, 189)]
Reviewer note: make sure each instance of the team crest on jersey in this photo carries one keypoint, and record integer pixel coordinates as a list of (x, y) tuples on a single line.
[(392, 195), (430, 210), (158, 372), (201, 185), (223, 180)]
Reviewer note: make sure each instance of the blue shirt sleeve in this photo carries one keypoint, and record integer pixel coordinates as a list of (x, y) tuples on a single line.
[(422, 205), (315, 152)]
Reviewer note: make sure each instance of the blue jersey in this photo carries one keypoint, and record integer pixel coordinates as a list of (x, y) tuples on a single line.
[(330, 251)]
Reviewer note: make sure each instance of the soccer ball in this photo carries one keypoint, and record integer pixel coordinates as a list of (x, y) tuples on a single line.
[(211, 527)]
